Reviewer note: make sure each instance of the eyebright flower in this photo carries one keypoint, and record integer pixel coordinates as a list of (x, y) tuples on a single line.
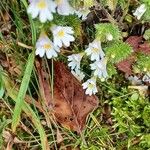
[(90, 86), (75, 60), (64, 8), (95, 50), (78, 74), (140, 11), (109, 37), (99, 68), (62, 35), (43, 8), (45, 45)]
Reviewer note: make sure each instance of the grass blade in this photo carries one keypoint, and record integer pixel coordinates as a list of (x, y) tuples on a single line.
[(22, 91)]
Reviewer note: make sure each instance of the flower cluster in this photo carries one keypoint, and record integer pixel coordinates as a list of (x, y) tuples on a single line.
[(45, 9), (97, 55), (63, 36), (98, 67)]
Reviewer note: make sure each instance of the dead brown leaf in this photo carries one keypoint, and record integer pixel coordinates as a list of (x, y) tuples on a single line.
[(134, 42), (70, 104), (126, 65)]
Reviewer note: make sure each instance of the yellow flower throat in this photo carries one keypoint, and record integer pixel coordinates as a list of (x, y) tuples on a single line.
[(47, 46), (41, 4), (61, 33)]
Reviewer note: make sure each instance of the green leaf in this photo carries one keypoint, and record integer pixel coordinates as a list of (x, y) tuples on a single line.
[(118, 51), (111, 69), (142, 64), (145, 115), (22, 91), (147, 2), (134, 96), (103, 29), (145, 141)]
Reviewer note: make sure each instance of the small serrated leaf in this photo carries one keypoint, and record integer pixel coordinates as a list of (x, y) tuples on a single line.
[(103, 29), (118, 51)]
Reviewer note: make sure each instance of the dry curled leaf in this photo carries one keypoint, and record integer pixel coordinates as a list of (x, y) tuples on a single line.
[(70, 104)]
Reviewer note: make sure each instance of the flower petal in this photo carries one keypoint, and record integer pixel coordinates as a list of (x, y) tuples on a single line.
[(40, 52), (43, 16)]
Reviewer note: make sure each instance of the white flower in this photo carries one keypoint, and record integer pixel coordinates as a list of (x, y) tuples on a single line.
[(90, 86), (99, 68), (140, 11), (75, 60), (146, 77), (109, 37), (95, 50), (45, 45), (64, 8), (78, 74), (43, 8), (83, 12), (62, 35)]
